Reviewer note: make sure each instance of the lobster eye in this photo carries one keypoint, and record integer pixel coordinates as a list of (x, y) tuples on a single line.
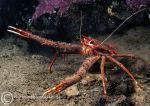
[(91, 42)]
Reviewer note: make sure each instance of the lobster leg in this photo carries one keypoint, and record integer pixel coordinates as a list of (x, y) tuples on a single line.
[(52, 62), (76, 77), (103, 75), (124, 69), (131, 56), (126, 55), (67, 47)]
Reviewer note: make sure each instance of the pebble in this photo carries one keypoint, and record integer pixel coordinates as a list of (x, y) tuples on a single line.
[(72, 91), (88, 79), (91, 78), (36, 57)]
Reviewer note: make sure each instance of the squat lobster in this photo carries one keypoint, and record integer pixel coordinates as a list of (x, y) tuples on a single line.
[(89, 47)]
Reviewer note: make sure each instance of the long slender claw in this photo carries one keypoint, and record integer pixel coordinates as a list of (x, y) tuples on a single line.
[(48, 91), (57, 89), (18, 31), (76, 77), (13, 30), (12, 27)]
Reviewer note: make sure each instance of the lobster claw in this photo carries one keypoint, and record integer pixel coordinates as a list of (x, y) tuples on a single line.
[(57, 89), (19, 32)]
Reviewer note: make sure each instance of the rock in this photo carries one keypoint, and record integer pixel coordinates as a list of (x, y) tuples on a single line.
[(88, 79), (139, 99), (91, 78), (36, 57), (138, 89), (72, 91)]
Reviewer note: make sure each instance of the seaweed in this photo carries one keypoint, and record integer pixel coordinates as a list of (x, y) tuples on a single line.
[(137, 4), (49, 6)]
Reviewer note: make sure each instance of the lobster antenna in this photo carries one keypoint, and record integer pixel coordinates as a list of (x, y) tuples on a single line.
[(124, 22), (81, 23)]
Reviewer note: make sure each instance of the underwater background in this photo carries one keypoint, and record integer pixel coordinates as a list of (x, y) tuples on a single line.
[(23, 62)]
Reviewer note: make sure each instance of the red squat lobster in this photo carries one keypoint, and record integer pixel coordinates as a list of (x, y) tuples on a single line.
[(89, 47)]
